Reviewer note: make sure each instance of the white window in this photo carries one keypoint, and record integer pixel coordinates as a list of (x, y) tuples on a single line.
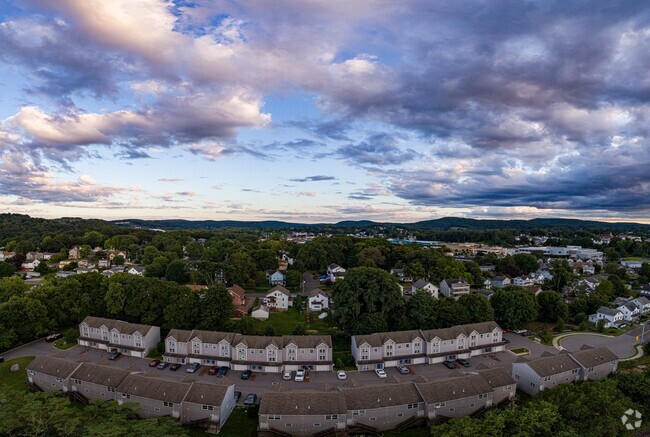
[(412, 406), (274, 417), (208, 407), (483, 396), (126, 396), (168, 404), (439, 404), (331, 417), (358, 412)]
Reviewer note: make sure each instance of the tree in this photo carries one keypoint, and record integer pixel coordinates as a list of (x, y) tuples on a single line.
[(365, 291), (93, 238), (551, 307), (294, 278), (478, 308), (269, 331), (216, 309), (527, 263), (118, 260), (300, 329), (183, 312), (371, 257), (422, 310), (177, 271), (12, 286), (6, 269), (194, 249), (514, 307)]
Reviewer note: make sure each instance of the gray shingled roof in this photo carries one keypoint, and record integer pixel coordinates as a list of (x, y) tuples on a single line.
[(307, 341), (497, 377), (279, 288), (182, 335), (206, 394), (258, 341), (315, 291), (453, 281), (120, 325), (609, 311), (154, 388), (594, 357), (302, 403), (420, 283), (213, 337), (100, 375), (549, 366), (443, 390), (378, 339), (52, 366), (455, 331), (643, 300), (380, 396)]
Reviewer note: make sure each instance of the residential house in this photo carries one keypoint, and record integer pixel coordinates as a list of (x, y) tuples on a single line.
[(136, 270), (391, 349), (318, 300), (588, 270), (612, 317), (456, 397), (335, 272), (302, 414), (504, 386), (644, 290), (261, 312), (64, 263), (238, 295), (545, 272), (488, 268), (643, 304), (115, 335), (500, 281), (312, 351), (93, 381), (155, 397), (30, 265), (547, 372), (6, 255), (401, 276), (454, 288), (485, 293), (65, 274), (278, 298), (74, 253), (48, 373), (113, 253), (630, 311), (103, 263), (208, 405), (523, 281), (85, 263), (422, 285), (276, 277), (178, 346)]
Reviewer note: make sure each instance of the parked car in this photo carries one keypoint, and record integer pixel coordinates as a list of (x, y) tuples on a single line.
[(449, 364), (381, 373), (463, 362), (286, 375), (53, 337), (114, 355), (192, 368), (250, 399), (175, 367), (403, 370), (341, 375), (154, 363), (213, 370), (246, 374), (300, 375), (223, 371), (237, 396), (506, 341), (162, 365)]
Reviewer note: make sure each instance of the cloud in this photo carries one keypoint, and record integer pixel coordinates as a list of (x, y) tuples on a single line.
[(316, 178), (379, 149), (171, 180)]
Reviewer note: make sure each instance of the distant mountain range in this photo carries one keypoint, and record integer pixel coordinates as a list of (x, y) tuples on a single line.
[(441, 224)]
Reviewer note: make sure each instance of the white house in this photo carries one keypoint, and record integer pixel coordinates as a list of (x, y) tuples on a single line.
[(318, 300), (629, 310), (260, 312), (643, 304), (500, 281), (612, 317), (454, 287), (523, 281), (278, 298), (401, 275), (427, 286), (136, 270), (335, 271), (31, 265), (588, 270), (546, 274)]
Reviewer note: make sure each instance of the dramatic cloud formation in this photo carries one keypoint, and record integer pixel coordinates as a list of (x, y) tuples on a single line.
[(482, 108)]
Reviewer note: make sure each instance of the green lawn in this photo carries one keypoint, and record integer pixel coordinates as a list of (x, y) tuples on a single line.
[(636, 258), (63, 344), (284, 322), (69, 339), (240, 424), (14, 380), (519, 350)]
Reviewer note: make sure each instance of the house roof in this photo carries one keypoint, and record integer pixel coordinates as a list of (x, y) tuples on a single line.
[(206, 394), (630, 306), (497, 377), (442, 390), (421, 283), (307, 341), (643, 300), (455, 281), (333, 266), (52, 366), (594, 357), (608, 311), (378, 339), (236, 289), (123, 327), (279, 288), (100, 375), (553, 365), (213, 336), (181, 335), (261, 307), (258, 341), (499, 278), (154, 388), (316, 291), (455, 331), (380, 396), (302, 403)]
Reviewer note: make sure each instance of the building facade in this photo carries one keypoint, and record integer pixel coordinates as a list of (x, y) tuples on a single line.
[(115, 335)]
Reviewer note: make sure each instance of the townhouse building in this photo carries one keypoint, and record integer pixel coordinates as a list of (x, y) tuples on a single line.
[(547, 372), (390, 349), (116, 335), (47, 373), (268, 354), (454, 288), (97, 382)]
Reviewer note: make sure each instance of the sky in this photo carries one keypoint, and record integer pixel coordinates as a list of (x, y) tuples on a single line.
[(320, 111)]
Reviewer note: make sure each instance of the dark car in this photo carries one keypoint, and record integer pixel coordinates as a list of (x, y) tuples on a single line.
[(449, 364), (506, 341), (237, 396), (53, 337), (114, 355), (250, 399), (213, 370), (464, 363), (162, 365), (246, 374), (174, 367), (154, 363), (223, 371)]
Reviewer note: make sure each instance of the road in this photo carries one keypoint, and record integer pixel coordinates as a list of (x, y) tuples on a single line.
[(261, 383), (622, 345), (309, 282)]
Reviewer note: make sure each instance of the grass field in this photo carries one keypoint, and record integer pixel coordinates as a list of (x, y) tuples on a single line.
[(284, 322), (520, 351), (14, 380), (240, 424)]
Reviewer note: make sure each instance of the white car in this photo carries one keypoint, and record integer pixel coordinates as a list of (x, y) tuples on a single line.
[(341, 375), (380, 373), (287, 375), (300, 376)]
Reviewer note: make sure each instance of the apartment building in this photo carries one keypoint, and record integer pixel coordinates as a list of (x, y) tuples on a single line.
[(391, 349), (268, 354), (116, 335)]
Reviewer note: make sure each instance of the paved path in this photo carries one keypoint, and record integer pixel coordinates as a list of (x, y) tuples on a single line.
[(622, 345)]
